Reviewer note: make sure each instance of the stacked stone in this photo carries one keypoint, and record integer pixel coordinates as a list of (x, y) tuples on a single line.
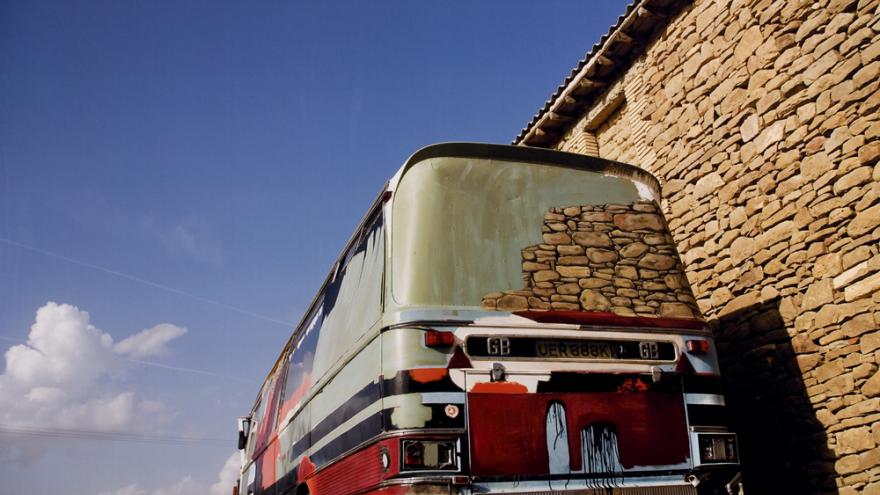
[(617, 258), (762, 118)]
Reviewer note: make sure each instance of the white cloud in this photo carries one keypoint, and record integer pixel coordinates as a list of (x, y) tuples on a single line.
[(227, 477), (64, 376), (63, 351), (190, 236), (186, 486), (150, 342)]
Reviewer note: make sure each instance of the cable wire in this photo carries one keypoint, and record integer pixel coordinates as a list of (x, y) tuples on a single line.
[(115, 436), (144, 281)]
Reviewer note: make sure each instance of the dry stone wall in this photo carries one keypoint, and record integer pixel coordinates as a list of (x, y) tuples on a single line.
[(762, 119), (607, 258)]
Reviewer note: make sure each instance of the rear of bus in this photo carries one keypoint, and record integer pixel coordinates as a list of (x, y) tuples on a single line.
[(541, 335)]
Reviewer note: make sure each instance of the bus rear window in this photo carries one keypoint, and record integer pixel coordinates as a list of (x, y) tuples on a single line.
[(513, 236)]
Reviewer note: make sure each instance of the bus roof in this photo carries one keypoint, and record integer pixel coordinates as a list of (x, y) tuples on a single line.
[(531, 155)]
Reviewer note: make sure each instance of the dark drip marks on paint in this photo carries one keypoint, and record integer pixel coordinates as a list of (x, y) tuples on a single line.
[(601, 457)]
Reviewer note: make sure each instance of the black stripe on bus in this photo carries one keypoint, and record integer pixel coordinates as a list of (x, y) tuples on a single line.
[(702, 384), (403, 383), (347, 410), (356, 435), (286, 483)]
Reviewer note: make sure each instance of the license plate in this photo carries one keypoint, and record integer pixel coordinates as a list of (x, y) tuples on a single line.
[(574, 349)]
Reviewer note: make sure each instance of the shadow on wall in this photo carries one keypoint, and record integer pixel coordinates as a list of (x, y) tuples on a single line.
[(783, 446)]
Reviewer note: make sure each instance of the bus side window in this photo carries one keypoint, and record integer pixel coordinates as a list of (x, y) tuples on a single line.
[(352, 301), (267, 412), (299, 369)]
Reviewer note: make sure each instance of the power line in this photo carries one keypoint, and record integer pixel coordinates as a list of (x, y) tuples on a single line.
[(146, 282), (188, 370), (111, 436)]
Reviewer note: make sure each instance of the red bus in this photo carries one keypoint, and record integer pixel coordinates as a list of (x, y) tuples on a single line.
[(504, 320)]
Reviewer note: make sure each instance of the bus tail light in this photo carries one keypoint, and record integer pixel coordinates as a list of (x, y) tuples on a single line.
[(429, 455), (717, 448), (698, 346), (436, 338)]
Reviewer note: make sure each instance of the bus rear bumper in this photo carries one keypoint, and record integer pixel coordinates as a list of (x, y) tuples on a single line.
[(721, 482)]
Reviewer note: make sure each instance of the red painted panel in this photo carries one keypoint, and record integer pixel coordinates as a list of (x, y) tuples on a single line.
[(500, 388), (507, 431), (392, 490), (267, 467), (357, 472), (305, 469)]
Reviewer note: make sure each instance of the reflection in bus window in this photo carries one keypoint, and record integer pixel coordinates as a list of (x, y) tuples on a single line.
[(299, 370)]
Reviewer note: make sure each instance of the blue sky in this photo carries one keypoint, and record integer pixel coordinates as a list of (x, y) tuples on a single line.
[(200, 164)]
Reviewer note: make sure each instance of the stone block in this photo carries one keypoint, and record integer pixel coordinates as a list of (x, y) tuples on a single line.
[(596, 216), (627, 272), (869, 343), (828, 265), (857, 177), (807, 362), (814, 166), (593, 283), (706, 185), (510, 302), (592, 300), (555, 238), (741, 302), (546, 275), (530, 266), (854, 440), (592, 239), (658, 262), (840, 385), (633, 250), (858, 271), (871, 388), (818, 294), (869, 153), (571, 211), (858, 325), (869, 406), (573, 271), (600, 256), (570, 250), (573, 260), (568, 289), (847, 464), (638, 221), (862, 287), (821, 66)]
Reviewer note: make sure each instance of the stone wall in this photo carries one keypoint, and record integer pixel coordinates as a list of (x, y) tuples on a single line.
[(761, 119), (609, 258)]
